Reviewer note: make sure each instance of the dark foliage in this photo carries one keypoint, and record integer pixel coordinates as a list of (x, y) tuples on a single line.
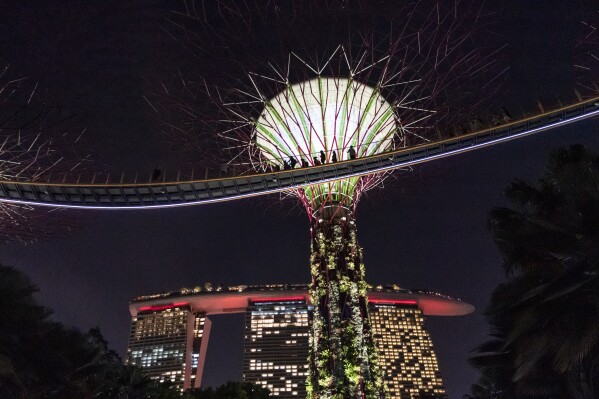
[(41, 358), (230, 390), (544, 319)]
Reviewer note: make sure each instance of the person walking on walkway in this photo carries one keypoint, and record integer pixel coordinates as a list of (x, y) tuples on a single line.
[(292, 162), (351, 152)]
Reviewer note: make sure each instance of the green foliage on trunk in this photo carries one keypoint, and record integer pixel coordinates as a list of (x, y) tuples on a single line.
[(343, 362)]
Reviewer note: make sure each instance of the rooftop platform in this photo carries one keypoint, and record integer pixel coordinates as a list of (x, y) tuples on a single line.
[(235, 299)]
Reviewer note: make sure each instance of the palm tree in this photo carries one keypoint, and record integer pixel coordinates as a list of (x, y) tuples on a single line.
[(41, 358), (545, 319)]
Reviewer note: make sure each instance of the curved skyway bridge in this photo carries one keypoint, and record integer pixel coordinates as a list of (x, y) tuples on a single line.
[(195, 192)]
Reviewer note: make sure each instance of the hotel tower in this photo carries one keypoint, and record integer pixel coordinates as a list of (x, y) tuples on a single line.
[(170, 332)]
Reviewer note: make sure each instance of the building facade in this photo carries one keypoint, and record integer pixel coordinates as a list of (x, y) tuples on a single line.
[(276, 345), (405, 350), (170, 333), (166, 341)]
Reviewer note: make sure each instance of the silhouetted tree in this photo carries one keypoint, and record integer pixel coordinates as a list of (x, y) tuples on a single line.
[(230, 390), (41, 358), (545, 319), (430, 396), (131, 382)]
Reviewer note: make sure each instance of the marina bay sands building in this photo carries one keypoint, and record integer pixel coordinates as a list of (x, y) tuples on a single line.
[(170, 334)]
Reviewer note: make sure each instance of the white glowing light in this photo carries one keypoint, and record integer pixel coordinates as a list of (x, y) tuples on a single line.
[(326, 120), (329, 115)]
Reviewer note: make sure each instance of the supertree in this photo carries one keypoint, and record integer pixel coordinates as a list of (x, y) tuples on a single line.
[(586, 61), (280, 85), (35, 140)]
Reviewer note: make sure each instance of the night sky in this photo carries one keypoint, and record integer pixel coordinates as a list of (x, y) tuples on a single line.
[(94, 56)]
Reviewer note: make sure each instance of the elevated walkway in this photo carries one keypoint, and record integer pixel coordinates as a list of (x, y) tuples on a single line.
[(196, 192)]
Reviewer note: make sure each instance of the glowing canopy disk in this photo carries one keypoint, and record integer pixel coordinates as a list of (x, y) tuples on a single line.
[(326, 119)]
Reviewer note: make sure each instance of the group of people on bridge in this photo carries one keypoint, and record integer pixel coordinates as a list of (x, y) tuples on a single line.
[(317, 161)]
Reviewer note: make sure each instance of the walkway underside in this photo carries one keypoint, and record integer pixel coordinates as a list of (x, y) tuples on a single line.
[(170, 194)]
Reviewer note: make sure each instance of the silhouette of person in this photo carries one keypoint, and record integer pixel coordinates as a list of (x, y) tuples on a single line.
[(304, 163), (334, 158), (496, 121), (317, 162), (457, 130), (505, 115), (476, 124), (292, 162), (323, 158), (351, 152), (156, 174), (286, 165)]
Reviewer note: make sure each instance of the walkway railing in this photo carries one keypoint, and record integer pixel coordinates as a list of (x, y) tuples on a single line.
[(182, 193)]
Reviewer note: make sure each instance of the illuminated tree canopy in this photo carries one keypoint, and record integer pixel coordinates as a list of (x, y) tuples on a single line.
[(279, 85)]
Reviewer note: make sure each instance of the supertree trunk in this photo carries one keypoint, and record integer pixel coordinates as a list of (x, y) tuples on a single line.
[(343, 361)]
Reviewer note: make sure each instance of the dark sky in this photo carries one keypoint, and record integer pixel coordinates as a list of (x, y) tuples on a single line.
[(94, 55)]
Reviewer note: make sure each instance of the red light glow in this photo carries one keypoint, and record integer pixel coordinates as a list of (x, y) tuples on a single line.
[(163, 307), (278, 299), (393, 302)]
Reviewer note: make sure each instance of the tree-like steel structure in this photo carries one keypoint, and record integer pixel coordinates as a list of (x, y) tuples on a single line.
[(34, 139), (586, 62), (299, 84)]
